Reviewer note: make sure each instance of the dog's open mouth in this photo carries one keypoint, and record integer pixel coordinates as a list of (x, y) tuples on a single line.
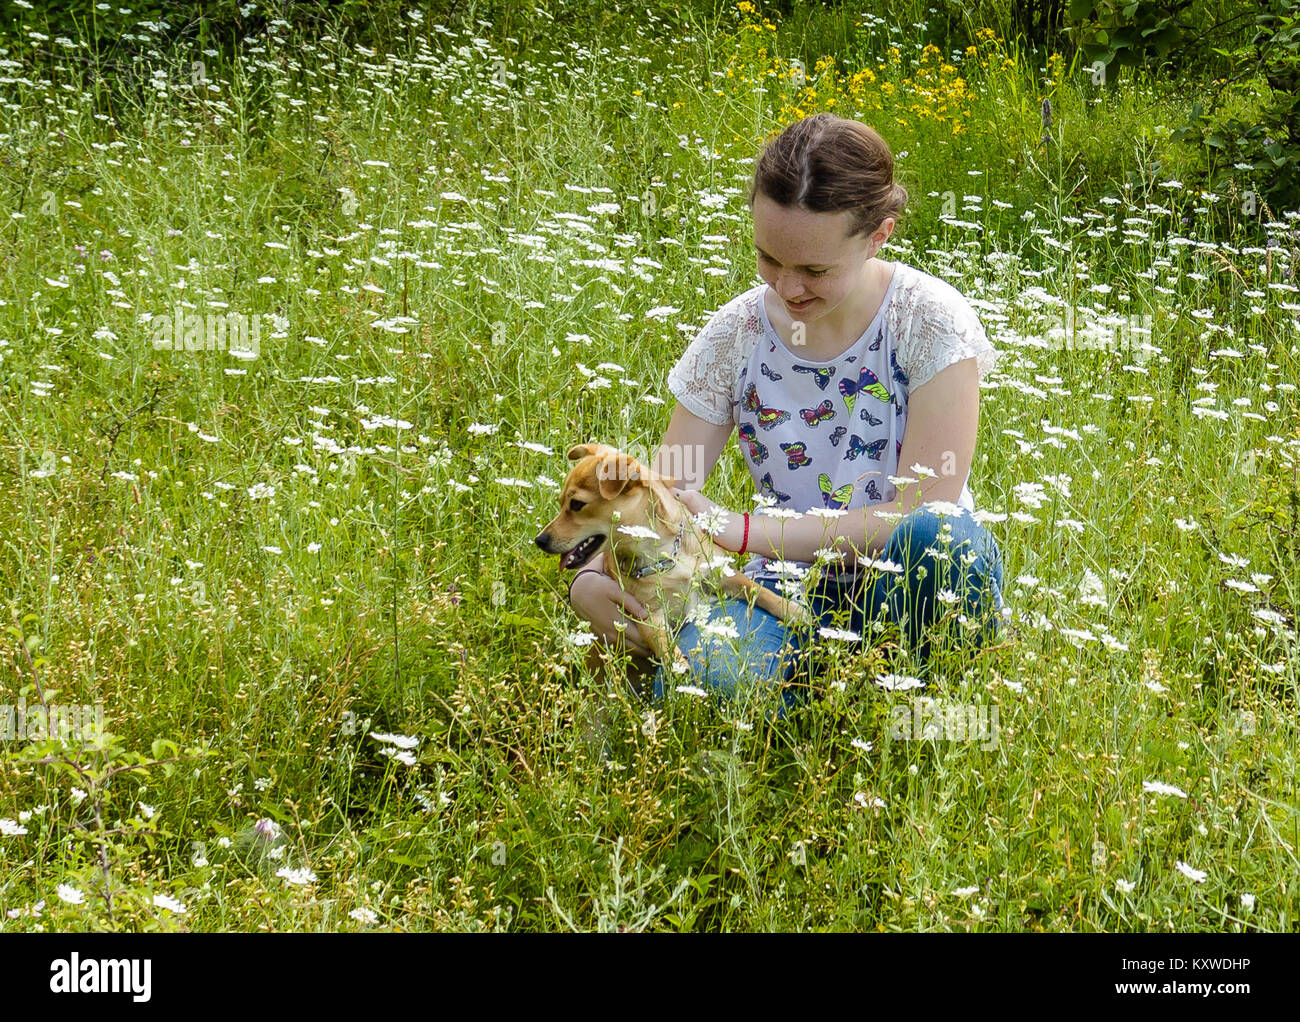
[(580, 552)]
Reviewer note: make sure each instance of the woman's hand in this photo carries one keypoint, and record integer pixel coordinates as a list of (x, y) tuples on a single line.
[(597, 598), (731, 533)]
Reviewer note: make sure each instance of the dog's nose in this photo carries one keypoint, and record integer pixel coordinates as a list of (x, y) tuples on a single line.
[(544, 541)]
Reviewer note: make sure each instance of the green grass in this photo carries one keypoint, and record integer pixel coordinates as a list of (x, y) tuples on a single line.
[(257, 564)]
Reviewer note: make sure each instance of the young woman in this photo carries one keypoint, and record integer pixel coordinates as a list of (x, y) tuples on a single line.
[(839, 372)]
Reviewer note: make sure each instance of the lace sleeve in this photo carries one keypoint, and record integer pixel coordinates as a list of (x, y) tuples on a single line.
[(943, 329), (704, 378)]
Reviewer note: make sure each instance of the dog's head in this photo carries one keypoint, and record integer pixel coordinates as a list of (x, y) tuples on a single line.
[(604, 488)]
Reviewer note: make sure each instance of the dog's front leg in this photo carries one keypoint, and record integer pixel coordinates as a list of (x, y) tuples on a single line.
[(656, 634), (741, 585)]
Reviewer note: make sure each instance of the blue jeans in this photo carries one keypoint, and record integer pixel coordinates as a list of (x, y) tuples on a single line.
[(769, 654)]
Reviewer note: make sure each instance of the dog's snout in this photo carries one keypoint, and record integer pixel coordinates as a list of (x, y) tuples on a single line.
[(543, 540)]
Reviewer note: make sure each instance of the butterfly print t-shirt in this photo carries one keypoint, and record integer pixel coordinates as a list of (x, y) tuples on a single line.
[(827, 434)]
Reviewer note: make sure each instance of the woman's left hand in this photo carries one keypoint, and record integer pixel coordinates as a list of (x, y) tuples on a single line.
[(731, 533)]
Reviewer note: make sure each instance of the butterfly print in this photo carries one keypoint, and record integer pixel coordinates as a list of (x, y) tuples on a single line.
[(873, 492), (899, 375), (823, 375), (797, 455), (814, 416), (763, 367), (866, 383), (768, 418), (837, 497), (876, 346), (868, 418), (858, 446), (768, 488), (837, 434), (757, 451)]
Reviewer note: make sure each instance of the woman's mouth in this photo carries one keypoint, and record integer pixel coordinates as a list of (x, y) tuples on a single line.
[(799, 306)]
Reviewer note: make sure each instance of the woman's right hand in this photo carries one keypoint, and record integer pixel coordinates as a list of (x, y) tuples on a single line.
[(598, 599)]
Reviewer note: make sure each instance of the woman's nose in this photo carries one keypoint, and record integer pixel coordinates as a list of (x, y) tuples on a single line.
[(790, 288)]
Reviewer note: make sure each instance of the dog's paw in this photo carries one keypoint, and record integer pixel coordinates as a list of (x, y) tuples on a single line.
[(797, 613)]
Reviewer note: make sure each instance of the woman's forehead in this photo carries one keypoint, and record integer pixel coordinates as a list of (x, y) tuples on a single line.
[(803, 236)]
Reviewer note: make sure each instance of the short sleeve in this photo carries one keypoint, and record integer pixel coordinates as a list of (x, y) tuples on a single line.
[(704, 378), (943, 329)]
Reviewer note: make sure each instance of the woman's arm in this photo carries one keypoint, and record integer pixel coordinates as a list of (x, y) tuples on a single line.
[(690, 448), (942, 422)]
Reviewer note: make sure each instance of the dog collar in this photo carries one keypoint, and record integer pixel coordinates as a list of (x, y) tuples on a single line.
[(664, 563)]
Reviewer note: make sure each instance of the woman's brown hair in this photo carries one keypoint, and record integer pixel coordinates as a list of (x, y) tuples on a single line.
[(828, 164)]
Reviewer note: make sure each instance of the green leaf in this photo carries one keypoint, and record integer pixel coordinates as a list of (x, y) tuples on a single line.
[(414, 861), (522, 621)]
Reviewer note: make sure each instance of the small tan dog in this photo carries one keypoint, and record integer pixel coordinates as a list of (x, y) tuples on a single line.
[(655, 550)]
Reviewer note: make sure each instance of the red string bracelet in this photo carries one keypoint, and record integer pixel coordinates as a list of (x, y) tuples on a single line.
[(745, 543)]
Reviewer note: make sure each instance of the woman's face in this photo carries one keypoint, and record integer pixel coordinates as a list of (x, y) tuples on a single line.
[(808, 260)]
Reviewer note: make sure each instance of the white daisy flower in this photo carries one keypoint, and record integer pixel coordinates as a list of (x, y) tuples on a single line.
[(898, 682), (70, 894), (639, 532), (1160, 788), (401, 741), (170, 904), (298, 877)]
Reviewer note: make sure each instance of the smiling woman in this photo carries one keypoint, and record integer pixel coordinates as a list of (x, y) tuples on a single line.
[(835, 371)]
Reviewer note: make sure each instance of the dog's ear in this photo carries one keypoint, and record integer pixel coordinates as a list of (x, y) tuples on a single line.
[(614, 472), (586, 450), (661, 487)]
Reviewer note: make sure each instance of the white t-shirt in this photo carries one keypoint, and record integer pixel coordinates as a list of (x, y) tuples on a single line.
[(828, 434)]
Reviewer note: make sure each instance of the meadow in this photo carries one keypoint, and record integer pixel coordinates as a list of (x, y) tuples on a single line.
[(293, 342)]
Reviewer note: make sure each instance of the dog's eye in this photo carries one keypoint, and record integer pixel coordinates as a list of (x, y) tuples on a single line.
[(576, 505)]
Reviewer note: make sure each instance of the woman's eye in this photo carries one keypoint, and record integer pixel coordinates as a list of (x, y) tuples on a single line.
[(576, 505)]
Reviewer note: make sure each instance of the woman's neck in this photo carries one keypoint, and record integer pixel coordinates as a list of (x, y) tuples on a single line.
[(826, 338)]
